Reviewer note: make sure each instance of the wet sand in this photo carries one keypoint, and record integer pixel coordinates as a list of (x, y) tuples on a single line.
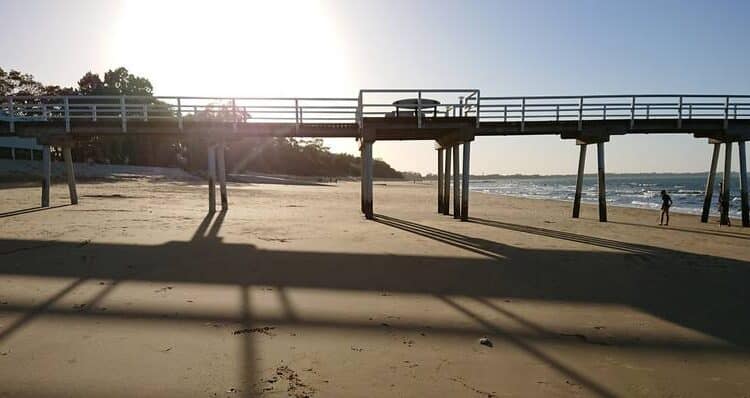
[(137, 293)]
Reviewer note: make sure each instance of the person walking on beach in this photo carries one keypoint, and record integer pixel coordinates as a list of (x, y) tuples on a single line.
[(666, 203)]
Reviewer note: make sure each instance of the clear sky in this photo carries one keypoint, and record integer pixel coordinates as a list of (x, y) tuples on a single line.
[(334, 48)]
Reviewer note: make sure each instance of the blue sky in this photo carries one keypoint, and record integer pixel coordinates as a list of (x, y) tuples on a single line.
[(333, 48)]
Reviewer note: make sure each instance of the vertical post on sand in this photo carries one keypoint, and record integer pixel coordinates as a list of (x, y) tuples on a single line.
[(46, 174), (579, 181), (710, 184), (602, 184), (440, 180), (465, 173), (221, 167), (70, 172), (727, 185), (362, 176), (211, 178), (447, 181), (456, 182), (368, 183), (743, 185)]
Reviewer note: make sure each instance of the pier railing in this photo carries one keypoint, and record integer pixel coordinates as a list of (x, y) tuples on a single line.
[(235, 110), (373, 103), (618, 107)]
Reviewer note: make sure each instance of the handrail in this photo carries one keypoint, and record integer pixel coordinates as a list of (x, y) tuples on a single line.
[(298, 111)]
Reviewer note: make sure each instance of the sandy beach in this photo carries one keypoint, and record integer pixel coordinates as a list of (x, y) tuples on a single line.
[(136, 292)]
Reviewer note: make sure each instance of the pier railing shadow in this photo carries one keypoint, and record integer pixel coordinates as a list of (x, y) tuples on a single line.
[(703, 293)]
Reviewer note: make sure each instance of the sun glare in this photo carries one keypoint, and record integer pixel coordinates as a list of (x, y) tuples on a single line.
[(237, 48)]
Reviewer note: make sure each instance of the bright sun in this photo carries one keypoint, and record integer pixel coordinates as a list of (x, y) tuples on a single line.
[(233, 48)]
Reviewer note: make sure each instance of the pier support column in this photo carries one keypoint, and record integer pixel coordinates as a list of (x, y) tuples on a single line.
[(367, 157), (456, 182), (579, 181), (70, 172), (727, 184), (222, 169), (211, 178), (743, 185), (440, 180), (602, 183), (362, 177), (710, 184), (465, 173), (46, 174), (447, 182)]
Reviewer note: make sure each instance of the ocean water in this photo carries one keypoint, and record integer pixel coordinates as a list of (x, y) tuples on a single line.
[(628, 190)]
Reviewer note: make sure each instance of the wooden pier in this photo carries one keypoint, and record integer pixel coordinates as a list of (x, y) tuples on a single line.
[(451, 117)]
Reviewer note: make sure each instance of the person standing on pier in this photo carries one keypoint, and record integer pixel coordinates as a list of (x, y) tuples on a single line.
[(666, 203)]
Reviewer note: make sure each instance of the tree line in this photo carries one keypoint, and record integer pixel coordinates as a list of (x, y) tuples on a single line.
[(267, 155)]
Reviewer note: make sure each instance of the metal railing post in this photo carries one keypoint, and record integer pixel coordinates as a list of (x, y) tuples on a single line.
[(557, 113), (632, 112), (505, 113), (93, 113), (296, 115), (523, 113), (301, 115), (478, 101), (604, 111), (44, 111), (123, 114), (648, 111), (419, 109), (12, 117), (179, 113), (145, 112), (679, 114), (726, 112), (690, 111), (580, 113), (66, 105), (460, 106)]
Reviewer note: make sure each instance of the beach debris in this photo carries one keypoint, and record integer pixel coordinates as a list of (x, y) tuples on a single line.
[(357, 349), (84, 242), (486, 342), (233, 390), (166, 349), (164, 289), (459, 380), (408, 342), (79, 307), (385, 324), (295, 386), (262, 330), (4, 353)]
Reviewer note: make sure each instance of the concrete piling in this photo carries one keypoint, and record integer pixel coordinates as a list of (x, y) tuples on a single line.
[(579, 181), (46, 174), (447, 182), (367, 152), (440, 180), (456, 182), (602, 183), (221, 168), (710, 184), (211, 178), (743, 185), (70, 173), (465, 173), (727, 184)]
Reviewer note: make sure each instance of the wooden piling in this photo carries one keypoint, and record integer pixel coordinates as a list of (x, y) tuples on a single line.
[(602, 183), (465, 173), (70, 173), (46, 174), (447, 182), (727, 184), (579, 181), (211, 178), (456, 182), (368, 180), (440, 180), (743, 185), (710, 184), (362, 177), (221, 168)]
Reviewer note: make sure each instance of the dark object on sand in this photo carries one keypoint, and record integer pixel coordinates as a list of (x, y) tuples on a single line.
[(485, 341)]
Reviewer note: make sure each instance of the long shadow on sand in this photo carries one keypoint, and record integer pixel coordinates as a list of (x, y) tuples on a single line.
[(705, 293)]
